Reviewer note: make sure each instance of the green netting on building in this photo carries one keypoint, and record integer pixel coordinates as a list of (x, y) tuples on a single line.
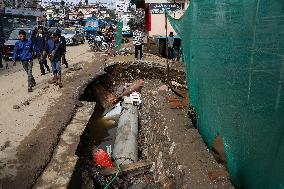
[(118, 36), (233, 53)]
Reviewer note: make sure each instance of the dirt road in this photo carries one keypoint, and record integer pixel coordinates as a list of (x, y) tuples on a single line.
[(28, 131)]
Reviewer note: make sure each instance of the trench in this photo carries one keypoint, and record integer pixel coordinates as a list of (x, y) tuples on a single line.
[(156, 141)]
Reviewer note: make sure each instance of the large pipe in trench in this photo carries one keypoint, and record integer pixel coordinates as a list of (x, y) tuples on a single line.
[(126, 148)]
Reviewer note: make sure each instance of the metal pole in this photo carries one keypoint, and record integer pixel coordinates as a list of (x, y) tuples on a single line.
[(167, 53)]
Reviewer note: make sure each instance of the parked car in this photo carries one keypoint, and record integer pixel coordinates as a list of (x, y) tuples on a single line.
[(9, 45), (73, 37)]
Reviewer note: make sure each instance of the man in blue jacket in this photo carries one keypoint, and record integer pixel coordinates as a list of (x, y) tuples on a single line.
[(23, 52)]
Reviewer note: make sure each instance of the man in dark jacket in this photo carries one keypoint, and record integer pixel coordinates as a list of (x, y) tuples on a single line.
[(55, 51), (40, 40), (23, 52), (63, 42)]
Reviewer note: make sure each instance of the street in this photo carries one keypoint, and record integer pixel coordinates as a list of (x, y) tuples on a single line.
[(21, 112)]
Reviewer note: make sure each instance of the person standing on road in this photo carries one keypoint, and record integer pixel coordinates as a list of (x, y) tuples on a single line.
[(171, 41), (138, 42), (40, 40), (23, 52), (55, 51)]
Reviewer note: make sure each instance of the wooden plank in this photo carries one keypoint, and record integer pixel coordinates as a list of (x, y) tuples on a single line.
[(137, 167)]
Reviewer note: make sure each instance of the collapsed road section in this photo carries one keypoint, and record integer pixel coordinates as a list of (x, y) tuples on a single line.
[(141, 135)]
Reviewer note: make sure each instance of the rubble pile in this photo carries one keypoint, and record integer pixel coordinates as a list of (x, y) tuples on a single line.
[(168, 152)]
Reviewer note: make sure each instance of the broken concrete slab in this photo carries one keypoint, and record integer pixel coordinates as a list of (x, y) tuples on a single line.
[(61, 167)]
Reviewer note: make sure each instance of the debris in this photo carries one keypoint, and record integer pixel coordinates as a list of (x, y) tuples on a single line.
[(217, 175), (152, 93), (45, 87), (105, 98), (176, 84), (135, 87), (6, 145), (16, 107), (163, 88), (115, 112), (75, 68), (175, 103), (133, 99), (26, 103), (101, 158), (133, 168), (109, 150)]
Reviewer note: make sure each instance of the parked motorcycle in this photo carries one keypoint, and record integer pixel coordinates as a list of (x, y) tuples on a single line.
[(98, 43)]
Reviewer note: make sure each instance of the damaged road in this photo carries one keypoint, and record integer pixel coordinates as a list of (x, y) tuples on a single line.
[(30, 132), (167, 139)]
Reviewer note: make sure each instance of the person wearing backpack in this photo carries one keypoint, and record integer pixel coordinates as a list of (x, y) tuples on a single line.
[(54, 51)]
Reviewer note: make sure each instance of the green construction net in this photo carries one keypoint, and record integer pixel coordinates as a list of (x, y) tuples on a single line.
[(233, 54), (118, 36)]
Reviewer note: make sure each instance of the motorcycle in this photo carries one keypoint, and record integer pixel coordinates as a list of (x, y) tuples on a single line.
[(98, 43)]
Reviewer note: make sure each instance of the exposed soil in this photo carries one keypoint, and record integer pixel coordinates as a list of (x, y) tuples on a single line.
[(166, 134)]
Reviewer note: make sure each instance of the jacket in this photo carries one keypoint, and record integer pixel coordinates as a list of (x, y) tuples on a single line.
[(23, 50), (51, 45)]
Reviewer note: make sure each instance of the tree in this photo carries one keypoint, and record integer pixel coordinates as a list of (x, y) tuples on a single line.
[(111, 13), (138, 20)]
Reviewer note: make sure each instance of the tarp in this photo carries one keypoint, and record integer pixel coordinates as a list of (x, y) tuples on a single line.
[(118, 36), (233, 53)]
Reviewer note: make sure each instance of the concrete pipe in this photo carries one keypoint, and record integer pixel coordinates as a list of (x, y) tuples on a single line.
[(126, 147)]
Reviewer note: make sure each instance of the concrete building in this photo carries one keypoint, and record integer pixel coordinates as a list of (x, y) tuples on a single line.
[(157, 17), (123, 7)]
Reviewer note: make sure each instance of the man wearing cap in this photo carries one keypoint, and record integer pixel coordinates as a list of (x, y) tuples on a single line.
[(23, 52), (54, 50)]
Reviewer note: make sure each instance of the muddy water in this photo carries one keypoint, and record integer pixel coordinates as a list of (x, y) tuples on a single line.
[(99, 133), (102, 132)]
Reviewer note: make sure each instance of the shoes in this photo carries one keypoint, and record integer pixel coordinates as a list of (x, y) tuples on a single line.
[(42, 74), (34, 84), (30, 89), (66, 65), (60, 85), (14, 64)]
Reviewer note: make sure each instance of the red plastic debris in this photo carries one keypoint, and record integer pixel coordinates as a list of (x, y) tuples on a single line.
[(101, 158)]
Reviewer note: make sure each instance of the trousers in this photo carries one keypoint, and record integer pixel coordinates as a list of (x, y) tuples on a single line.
[(28, 67)]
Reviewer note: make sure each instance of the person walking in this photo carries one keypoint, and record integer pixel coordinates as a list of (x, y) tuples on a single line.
[(63, 42), (171, 41), (23, 52), (138, 42), (55, 50), (40, 38)]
